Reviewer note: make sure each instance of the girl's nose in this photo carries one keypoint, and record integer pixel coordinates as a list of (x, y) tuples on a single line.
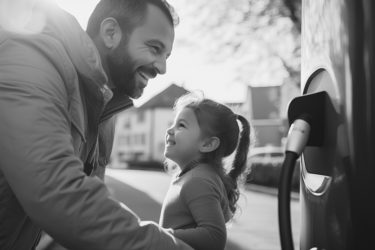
[(170, 131)]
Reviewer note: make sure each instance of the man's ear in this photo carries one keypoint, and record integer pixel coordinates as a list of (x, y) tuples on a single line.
[(210, 145), (110, 32)]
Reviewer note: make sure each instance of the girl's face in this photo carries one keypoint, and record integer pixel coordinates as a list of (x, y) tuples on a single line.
[(184, 139)]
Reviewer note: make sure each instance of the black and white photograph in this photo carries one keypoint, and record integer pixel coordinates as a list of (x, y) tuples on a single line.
[(187, 124)]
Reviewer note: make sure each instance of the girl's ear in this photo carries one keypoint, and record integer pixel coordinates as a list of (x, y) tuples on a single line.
[(210, 145)]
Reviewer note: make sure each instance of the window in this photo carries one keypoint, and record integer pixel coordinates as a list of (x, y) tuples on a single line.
[(137, 139), (140, 116), (137, 156), (127, 123), (161, 147), (143, 139), (122, 140)]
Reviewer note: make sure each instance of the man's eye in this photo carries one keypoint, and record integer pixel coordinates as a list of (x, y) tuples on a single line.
[(155, 48)]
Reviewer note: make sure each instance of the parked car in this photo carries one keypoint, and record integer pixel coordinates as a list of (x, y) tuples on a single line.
[(267, 155)]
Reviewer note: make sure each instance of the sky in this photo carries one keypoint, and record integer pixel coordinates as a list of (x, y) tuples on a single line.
[(185, 67)]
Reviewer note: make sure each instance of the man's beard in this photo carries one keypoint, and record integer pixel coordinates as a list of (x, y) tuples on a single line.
[(121, 65)]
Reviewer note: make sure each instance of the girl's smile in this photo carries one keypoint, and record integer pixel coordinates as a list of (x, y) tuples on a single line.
[(169, 142)]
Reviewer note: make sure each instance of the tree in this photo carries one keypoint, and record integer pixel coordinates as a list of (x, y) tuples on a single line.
[(260, 36)]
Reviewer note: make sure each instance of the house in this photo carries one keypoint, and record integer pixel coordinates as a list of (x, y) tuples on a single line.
[(265, 108), (140, 132), (266, 119)]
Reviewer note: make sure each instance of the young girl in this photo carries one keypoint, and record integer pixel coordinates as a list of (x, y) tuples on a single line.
[(203, 197)]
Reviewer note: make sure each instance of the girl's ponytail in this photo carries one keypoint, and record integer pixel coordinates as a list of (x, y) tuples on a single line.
[(239, 170), (240, 159)]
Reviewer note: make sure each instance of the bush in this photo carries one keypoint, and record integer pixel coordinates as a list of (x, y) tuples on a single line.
[(152, 165), (268, 175)]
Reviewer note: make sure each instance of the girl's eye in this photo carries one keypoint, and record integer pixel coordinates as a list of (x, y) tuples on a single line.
[(181, 125)]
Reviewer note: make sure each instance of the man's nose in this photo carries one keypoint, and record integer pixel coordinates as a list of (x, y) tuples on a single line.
[(161, 66)]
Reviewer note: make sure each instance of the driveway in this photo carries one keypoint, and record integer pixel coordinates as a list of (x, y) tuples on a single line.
[(255, 228)]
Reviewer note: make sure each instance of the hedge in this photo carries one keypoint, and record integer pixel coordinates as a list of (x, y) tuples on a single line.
[(268, 175), (152, 165), (260, 174)]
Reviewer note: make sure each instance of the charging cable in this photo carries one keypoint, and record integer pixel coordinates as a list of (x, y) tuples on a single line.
[(298, 136)]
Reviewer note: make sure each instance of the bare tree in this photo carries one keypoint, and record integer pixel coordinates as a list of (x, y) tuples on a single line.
[(250, 31)]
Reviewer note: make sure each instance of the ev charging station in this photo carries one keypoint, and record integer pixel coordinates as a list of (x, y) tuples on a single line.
[(337, 111)]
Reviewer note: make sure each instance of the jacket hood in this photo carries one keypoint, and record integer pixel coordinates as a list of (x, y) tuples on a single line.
[(49, 19)]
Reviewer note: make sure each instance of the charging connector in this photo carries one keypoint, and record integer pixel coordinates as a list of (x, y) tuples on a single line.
[(298, 137), (299, 134)]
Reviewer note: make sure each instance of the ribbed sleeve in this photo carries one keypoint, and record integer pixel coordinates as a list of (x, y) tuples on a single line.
[(202, 197), (196, 208)]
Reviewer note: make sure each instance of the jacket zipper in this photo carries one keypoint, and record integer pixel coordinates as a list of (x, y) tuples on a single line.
[(91, 153), (100, 120)]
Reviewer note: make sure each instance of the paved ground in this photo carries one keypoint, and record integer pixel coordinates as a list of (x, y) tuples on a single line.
[(256, 228)]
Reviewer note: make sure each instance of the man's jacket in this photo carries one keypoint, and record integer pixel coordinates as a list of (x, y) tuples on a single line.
[(55, 116)]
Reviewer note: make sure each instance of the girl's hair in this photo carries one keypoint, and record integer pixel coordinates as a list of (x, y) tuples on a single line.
[(218, 120)]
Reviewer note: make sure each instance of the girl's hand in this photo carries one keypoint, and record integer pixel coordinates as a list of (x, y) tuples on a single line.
[(169, 230)]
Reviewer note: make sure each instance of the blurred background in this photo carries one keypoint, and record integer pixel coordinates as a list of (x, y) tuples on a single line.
[(244, 53)]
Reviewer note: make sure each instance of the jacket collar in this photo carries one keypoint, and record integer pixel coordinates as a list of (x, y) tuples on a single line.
[(82, 52)]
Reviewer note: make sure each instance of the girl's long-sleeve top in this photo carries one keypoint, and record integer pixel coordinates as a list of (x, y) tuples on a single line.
[(196, 209)]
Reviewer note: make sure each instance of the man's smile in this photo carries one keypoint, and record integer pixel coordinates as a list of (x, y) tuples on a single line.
[(145, 75)]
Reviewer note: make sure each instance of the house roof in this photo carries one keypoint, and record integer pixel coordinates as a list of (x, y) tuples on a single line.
[(166, 98)]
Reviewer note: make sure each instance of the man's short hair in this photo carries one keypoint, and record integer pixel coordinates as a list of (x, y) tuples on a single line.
[(128, 13)]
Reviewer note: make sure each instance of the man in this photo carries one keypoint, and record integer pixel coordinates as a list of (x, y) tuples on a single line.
[(59, 90)]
